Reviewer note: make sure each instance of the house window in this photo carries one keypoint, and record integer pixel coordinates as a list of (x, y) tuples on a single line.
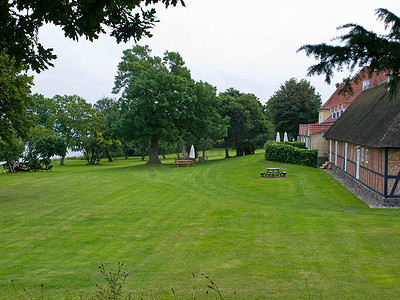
[(346, 146), (362, 154), (366, 155), (365, 84), (330, 150)]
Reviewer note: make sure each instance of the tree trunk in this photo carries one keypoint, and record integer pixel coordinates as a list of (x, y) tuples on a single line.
[(204, 152), (108, 154), (238, 145), (153, 157), (62, 160), (226, 150)]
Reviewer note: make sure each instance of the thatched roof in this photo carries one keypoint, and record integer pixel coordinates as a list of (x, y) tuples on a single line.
[(371, 120)]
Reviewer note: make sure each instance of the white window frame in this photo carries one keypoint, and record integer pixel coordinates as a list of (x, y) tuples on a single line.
[(366, 84), (358, 162), (362, 154), (336, 148), (367, 156), (330, 150), (346, 146)]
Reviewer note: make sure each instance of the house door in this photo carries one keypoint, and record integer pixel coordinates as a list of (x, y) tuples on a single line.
[(358, 163)]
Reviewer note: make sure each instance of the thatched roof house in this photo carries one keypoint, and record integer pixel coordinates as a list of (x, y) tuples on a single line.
[(364, 143), (333, 109), (371, 120)]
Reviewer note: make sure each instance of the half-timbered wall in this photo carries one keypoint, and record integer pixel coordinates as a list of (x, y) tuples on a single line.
[(378, 169), (393, 186)]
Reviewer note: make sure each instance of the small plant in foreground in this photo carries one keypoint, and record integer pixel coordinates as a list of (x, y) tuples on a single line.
[(113, 284), (212, 285)]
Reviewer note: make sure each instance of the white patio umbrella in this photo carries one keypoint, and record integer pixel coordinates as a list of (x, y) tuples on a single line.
[(278, 137), (192, 154), (285, 138)]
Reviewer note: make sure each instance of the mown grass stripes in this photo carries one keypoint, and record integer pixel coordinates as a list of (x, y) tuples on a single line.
[(262, 238)]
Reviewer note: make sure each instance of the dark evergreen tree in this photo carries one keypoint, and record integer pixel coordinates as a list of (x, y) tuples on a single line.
[(362, 48), (293, 104)]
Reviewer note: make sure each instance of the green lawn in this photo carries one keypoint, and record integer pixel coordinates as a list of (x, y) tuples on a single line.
[(257, 238)]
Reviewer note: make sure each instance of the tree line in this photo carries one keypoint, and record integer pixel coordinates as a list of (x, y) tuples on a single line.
[(160, 109)]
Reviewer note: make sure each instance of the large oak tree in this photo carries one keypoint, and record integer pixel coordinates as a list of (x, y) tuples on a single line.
[(156, 95)]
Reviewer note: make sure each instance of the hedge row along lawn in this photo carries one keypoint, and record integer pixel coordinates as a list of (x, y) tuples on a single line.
[(257, 238)]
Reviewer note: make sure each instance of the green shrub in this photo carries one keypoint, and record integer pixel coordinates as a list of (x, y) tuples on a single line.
[(300, 145), (286, 152), (249, 147)]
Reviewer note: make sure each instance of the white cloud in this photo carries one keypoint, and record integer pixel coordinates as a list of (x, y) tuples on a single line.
[(249, 45)]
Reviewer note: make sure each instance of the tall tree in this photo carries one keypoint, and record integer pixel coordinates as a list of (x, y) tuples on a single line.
[(362, 48), (20, 21), (72, 120), (293, 104), (155, 96), (207, 124), (15, 99), (107, 108), (42, 111), (246, 119)]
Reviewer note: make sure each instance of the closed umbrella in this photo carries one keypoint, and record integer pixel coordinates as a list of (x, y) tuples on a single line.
[(192, 154), (278, 137), (184, 154), (285, 138)]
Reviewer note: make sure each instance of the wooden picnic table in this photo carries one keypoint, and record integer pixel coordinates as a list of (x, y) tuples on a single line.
[(184, 162), (272, 173)]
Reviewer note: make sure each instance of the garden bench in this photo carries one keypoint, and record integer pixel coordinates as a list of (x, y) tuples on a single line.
[(183, 162)]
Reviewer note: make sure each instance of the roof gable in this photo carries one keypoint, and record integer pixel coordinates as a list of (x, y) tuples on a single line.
[(338, 98), (371, 120)]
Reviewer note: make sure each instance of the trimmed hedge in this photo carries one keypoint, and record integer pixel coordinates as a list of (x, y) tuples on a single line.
[(287, 153), (300, 145)]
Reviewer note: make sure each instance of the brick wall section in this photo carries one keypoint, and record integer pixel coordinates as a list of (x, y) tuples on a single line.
[(371, 173), (393, 169), (394, 162)]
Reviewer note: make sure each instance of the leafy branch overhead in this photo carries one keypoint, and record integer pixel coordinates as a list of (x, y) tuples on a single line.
[(362, 48), (21, 20)]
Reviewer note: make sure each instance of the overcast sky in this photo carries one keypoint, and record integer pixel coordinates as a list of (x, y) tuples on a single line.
[(249, 45)]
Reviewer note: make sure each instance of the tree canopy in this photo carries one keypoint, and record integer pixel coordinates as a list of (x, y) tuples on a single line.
[(72, 121), (21, 20), (293, 104), (362, 48), (246, 120), (15, 99), (156, 96)]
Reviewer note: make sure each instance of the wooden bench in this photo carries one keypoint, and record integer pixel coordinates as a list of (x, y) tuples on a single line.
[(184, 162)]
